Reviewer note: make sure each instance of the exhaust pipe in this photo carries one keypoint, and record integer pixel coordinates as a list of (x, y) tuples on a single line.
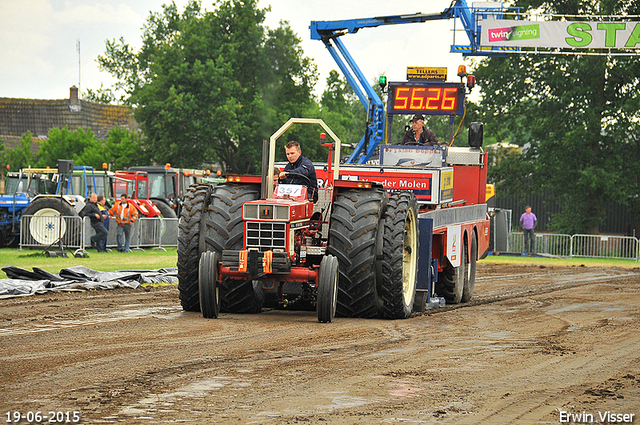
[(265, 169)]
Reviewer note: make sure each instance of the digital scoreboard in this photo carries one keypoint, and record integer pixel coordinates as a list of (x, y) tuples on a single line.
[(426, 97)]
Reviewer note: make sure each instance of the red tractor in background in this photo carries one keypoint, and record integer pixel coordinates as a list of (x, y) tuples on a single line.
[(167, 185), (135, 184)]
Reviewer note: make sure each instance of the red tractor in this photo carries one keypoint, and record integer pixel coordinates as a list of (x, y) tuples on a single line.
[(135, 184), (243, 245)]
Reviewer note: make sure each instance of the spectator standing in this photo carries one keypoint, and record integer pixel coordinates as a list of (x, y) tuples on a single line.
[(92, 211), (104, 210), (125, 214), (529, 221)]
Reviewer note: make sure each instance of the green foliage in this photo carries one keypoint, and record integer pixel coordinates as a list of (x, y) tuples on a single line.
[(122, 148), (3, 158), (65, 144), (101, 95), (510, 173), (342, 111), (210, 86), (21, 155), (577, 116)]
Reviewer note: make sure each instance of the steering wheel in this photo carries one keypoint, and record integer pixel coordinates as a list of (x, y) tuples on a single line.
[(300, 175)]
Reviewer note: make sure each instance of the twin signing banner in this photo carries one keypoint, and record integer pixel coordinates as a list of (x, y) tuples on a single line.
[(561, 34)]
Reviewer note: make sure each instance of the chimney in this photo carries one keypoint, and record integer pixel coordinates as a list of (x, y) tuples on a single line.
[(74, 103)]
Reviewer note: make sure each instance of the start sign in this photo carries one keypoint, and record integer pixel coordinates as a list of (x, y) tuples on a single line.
[(610, 34)]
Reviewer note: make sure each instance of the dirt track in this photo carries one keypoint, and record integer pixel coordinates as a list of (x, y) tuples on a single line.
[(534, 342)]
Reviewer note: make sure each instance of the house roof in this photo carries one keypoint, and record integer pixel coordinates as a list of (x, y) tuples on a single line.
[(18, 116)]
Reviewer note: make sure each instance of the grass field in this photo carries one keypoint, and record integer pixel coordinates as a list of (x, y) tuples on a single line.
[(576, 261), (150, 260), (105, 262)]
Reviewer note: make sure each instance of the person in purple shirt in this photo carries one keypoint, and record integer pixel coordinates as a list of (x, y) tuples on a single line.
[(529, 221)]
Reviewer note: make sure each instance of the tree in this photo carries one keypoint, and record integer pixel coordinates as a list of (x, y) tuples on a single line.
[(122, 148), (210, 86), (577, 116), (101, 95), (341, 110), (65, 144), (21, 155)]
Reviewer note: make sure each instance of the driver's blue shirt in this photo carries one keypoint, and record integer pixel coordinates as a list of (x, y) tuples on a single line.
[(305, 167)]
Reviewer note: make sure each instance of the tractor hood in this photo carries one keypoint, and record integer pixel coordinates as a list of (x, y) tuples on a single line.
[(289, 203)]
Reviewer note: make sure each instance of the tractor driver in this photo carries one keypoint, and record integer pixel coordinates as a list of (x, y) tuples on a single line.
[(299, 164), (418, 135)]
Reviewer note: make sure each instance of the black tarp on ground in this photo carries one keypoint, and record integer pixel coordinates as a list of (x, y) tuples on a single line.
[(21, 282)]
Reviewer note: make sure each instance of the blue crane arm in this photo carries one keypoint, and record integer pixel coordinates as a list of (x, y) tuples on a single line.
[(320, 29), (330, 31)]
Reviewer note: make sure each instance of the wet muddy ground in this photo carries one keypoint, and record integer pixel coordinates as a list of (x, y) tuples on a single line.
[(536, 345)]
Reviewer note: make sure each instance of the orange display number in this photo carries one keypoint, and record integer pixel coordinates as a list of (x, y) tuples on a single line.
[(444, 98)]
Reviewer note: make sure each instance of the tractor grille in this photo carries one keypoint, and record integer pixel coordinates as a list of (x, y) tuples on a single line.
[(266, 236)]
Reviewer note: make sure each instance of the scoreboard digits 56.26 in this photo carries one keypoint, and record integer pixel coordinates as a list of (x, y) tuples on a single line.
[(428, 98)]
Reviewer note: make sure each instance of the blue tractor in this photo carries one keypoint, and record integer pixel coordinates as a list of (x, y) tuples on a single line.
[(20, 189), (43, 224)]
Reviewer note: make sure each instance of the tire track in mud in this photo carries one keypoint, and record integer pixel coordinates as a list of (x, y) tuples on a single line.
[(550, 282), (552, 381), (136, 390), (174, 362)]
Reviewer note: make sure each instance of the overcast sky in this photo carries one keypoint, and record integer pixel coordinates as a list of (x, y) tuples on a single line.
[(38, 39)]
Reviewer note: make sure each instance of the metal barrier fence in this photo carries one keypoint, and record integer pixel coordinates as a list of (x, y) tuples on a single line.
[(41, 231), (545, 243), (605, 246), (596, 246)]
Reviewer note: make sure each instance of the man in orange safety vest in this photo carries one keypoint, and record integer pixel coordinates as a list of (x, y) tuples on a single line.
[(125, 214)]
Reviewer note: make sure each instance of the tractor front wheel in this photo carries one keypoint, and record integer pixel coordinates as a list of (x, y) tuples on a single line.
[(208, 285), (327, 289)]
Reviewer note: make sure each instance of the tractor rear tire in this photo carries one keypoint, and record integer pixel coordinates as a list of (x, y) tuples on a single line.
[(224, 229), (190, 229), (208, 284), (327, 289), (451, 281), (470, 278), (400, 255), (45, 226), (353, 239)]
